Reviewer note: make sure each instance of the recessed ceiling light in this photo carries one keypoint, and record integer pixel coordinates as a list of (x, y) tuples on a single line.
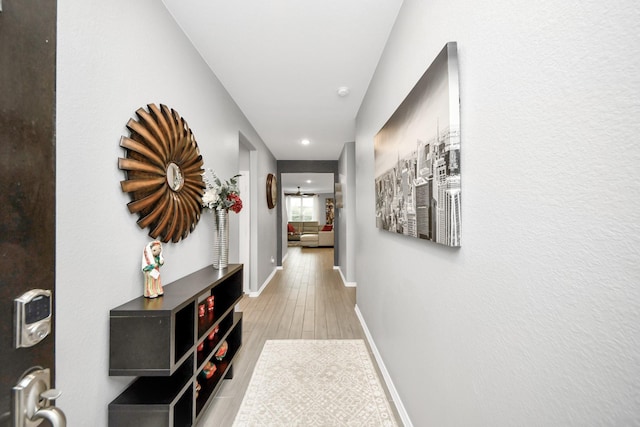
[(305, 142), (308, 181), (343, 91)]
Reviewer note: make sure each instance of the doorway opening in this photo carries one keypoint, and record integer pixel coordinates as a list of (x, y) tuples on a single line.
[(247, 218), (308, 210)]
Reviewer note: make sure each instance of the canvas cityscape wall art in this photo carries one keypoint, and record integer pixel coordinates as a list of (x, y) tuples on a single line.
[(417, 158)]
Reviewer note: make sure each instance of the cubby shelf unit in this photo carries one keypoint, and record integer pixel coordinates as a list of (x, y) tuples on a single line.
[(157, 340)]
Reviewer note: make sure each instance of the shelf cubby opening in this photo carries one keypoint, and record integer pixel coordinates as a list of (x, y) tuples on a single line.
[(184, 330), (210, 345), (157, 390), (225, 299), (183, 410), (211, 385)]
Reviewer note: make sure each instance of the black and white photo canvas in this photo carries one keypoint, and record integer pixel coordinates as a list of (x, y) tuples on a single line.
[(417, 158)]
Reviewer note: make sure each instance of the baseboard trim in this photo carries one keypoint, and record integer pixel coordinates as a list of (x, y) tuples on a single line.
[(344, 281), (404, 416), (264, 285)]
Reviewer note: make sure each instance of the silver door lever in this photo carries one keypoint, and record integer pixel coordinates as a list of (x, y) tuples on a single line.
[(32, 400)]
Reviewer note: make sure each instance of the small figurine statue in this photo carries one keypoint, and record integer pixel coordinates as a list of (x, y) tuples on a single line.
[(151, 261), (208, 370), (222, 351)]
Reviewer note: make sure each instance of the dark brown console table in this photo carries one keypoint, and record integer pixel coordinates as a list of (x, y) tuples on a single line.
[(158, 341)]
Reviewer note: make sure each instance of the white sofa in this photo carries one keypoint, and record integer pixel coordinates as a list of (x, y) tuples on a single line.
[(325, 238), (300, 228), (309, 240), (310, 234)]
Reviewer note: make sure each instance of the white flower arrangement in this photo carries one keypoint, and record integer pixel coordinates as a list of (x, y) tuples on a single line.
[(221, 195)]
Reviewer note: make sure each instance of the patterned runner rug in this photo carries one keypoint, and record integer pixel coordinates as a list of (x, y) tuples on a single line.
[(314, 383)]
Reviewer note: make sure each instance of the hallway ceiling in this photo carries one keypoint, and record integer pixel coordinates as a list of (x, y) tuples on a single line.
[(307, 182), (282, 61)]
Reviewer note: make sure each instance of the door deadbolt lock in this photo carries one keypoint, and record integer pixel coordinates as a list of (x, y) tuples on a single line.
[(32, 317)]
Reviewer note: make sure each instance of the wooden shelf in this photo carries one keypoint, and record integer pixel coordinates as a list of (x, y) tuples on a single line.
[(157, 340), (209, 387)]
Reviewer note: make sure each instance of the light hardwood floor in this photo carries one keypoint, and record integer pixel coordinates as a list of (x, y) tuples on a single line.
[(305, 300)]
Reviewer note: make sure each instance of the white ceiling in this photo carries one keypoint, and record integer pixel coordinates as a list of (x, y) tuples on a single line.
[(308, 182), (282, 61)]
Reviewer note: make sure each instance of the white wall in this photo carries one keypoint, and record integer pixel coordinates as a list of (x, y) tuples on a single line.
[(112, 58), (266, 233), (536, 319), (348, 219), (322, 207), (283, 224)]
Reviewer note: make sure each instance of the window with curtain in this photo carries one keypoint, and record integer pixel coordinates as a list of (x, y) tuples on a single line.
[(302, 208)]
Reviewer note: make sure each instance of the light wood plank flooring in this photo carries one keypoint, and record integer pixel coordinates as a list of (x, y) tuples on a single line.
[(305, 300)]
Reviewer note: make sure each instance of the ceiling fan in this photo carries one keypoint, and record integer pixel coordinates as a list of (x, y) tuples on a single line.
[(300, 194)]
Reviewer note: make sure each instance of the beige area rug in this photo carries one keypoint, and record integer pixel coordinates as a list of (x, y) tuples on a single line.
[(314, 383)]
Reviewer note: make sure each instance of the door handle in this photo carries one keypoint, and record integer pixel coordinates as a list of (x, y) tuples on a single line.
[(32, 400)]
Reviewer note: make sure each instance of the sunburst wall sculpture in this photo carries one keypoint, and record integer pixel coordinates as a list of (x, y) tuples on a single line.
[(163, 173)]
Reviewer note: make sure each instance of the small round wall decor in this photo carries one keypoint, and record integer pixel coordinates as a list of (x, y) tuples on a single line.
[(163, 173), (272, 191)]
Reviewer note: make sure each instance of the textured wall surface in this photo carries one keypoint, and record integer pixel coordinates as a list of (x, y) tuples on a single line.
[(536, 319), (114, 58)]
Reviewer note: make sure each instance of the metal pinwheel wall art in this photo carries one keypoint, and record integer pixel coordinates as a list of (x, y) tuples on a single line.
[(163, 173)]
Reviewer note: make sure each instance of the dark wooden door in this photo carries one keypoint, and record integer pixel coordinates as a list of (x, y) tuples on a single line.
[(27, 176)]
